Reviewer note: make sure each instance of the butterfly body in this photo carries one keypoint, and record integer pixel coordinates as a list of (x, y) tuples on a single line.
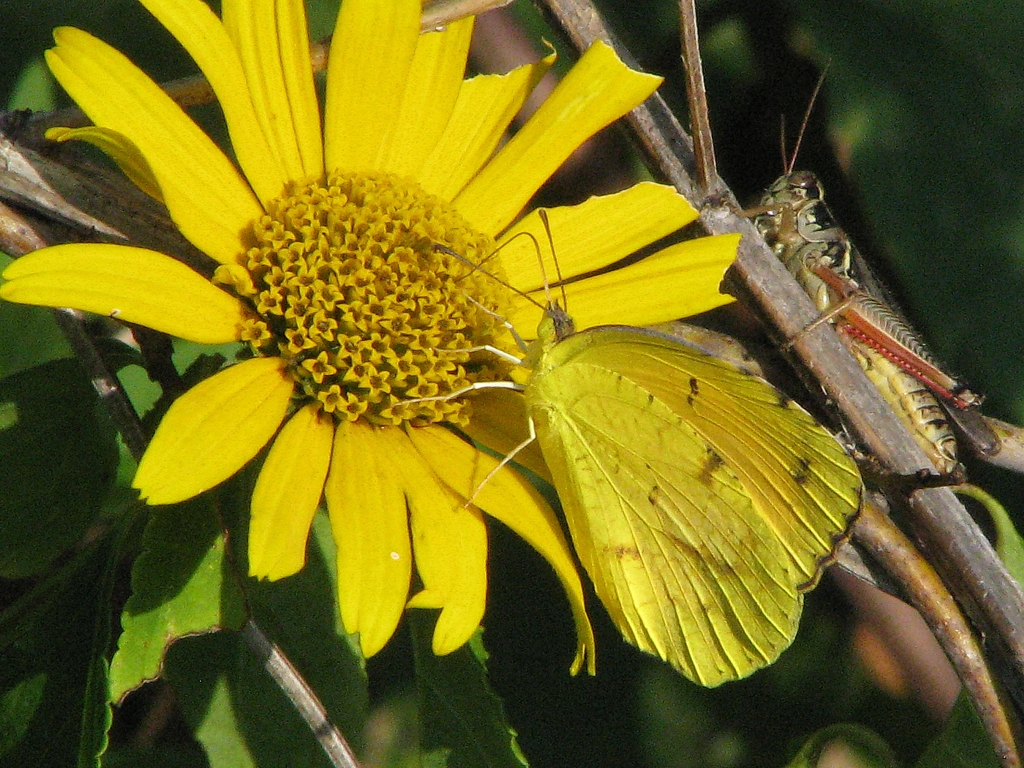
[(701, 501)]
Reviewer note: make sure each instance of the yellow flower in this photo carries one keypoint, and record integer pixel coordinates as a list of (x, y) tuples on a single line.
[(331, 264)]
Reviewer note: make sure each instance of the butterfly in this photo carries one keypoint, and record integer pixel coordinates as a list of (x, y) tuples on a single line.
[(701, 501)]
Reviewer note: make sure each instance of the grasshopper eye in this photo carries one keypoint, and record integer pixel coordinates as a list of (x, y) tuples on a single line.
[(807, 183)]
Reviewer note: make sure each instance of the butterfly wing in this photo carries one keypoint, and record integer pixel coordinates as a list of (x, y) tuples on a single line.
[(677, 530), (800, 479)]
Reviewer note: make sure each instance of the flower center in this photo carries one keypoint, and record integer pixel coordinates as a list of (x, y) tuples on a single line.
[(348, 284)]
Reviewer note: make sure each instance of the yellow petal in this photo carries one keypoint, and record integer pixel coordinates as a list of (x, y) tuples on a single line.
[(288, 493), (273, 46), (201, 33), (507, 496), (132, 284), (485, 107), (593, 234), (450, 541), (119, 149), (431, 90), (597, 91), (679, 281), (371, 53), (371, 529), (210, 203), (213, 430)]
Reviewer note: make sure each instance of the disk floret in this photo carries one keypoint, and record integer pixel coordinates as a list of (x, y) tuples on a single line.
[(347, 283)]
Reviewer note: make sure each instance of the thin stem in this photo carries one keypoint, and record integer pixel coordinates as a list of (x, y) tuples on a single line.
[(18, 237), (697, 96), (299, 692)]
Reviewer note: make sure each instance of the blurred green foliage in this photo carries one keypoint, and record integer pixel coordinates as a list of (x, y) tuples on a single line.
[(916, 139)]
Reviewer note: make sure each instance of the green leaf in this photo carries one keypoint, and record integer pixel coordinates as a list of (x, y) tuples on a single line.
[(236, 710), (59, 457), (219, 731), (459, 712), (53, 664), (29, 336), (35, 89), (866, 748), (181, 585), (963, 743), (1009, 544), (300, 613)]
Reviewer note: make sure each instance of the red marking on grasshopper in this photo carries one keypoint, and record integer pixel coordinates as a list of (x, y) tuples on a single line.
[(860, 326)]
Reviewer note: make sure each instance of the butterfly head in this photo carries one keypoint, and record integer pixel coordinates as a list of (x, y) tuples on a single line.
[(561, 323)]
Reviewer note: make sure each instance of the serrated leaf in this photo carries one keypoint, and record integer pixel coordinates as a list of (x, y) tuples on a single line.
[(867, 747), (181, 585), (459, 711), (59, 457), (53, 664)]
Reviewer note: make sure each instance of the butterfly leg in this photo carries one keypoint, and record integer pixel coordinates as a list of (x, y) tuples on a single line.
[(464, 391), (508, 326), (486, 348), (506, 459)]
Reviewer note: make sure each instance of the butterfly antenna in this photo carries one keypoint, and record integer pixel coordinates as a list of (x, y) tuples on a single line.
[(807, 119), (554, 257), (478, 268)]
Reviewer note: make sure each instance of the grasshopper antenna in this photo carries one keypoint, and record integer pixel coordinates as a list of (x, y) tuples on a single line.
[(789, 163)]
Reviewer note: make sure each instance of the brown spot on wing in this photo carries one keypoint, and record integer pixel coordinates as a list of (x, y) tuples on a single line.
[(623, 551), (803, 469), (712, 461)]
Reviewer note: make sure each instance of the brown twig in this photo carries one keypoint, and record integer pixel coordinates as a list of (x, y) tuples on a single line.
[(922, 586), (700, 124)]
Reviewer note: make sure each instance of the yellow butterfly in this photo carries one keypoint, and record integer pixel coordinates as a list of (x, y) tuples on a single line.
[(702, 502)]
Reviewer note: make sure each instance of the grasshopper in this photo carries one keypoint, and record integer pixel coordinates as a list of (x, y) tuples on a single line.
[(800, 229)]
